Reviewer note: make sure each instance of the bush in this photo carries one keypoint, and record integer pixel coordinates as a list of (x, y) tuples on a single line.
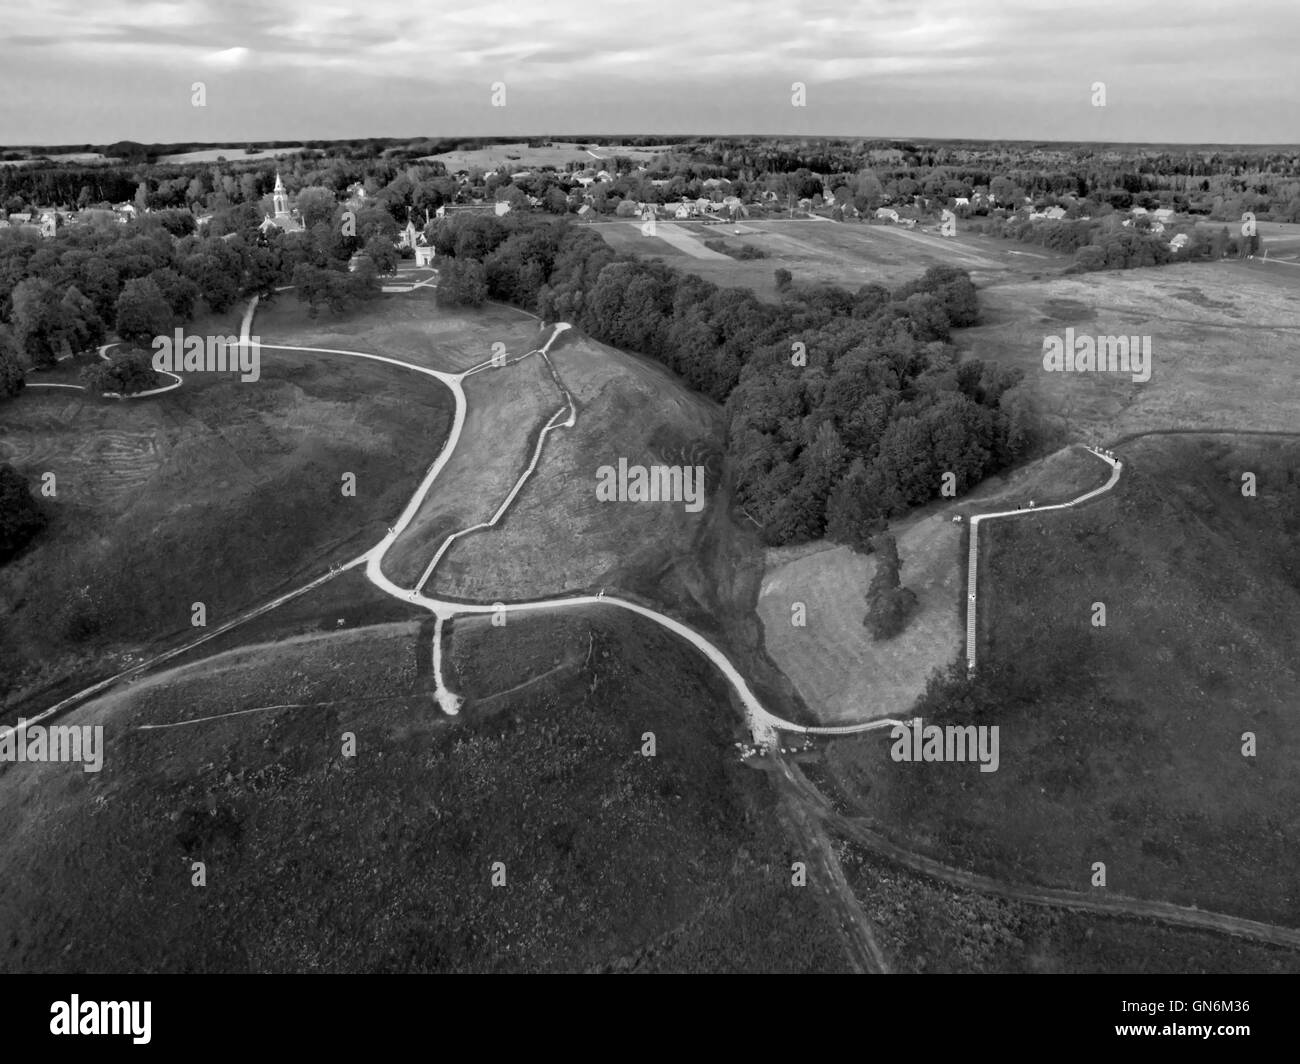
[(888, 604), (20, 514), (744, 252)]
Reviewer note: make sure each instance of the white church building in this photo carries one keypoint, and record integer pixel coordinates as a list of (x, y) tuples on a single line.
[(284, 218)]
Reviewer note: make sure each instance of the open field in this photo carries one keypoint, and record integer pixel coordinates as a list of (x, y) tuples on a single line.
[(83, 158), (848, 254), (222, 492), (1222, 338), (383, 862), (231, 154), (840, 673), (1280, 239), (410, 326), (558, 536), (686, 241), (514, 157), (1123, 743)]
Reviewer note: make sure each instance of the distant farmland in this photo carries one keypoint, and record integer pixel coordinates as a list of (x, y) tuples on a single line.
[(558, 154), (848, 254), (210, 155)]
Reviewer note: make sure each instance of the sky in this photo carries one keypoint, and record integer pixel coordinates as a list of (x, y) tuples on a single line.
[(1197, 71)]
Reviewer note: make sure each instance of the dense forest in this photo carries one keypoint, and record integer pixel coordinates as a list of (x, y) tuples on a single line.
[(844, 409)]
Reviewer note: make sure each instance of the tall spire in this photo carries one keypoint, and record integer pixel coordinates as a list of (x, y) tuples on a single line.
[(280, 198)]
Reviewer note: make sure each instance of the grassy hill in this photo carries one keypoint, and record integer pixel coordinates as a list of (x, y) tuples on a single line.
[(1123, 744), (384, 861), (221, 492)]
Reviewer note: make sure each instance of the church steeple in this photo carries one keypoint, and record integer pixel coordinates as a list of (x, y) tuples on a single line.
[(280, 197)]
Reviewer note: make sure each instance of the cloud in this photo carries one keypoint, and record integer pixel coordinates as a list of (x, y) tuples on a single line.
[(229, 58), (678, 63)]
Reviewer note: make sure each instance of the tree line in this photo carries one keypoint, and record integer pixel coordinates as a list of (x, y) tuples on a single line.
[(1106, 244), (844, 409)]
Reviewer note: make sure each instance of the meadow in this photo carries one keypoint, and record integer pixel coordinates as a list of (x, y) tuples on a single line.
[(1223, 340)]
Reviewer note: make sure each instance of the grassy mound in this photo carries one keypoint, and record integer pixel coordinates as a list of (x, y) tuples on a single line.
[(384, 861), (221, 492), (1123, 744)]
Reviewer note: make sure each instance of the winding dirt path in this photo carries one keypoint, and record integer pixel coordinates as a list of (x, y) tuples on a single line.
[(764, 726), (1108, 904)]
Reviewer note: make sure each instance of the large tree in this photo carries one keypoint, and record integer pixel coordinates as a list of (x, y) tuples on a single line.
[(316, 206), (82, 326), (37, 321), (852, 513), (123, 375), (143, 312), (462, 282)]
